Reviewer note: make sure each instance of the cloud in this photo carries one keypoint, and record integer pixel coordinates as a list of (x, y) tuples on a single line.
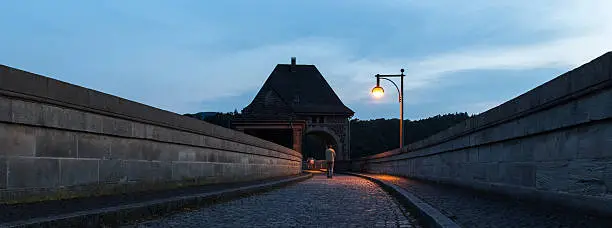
[(181, 67)]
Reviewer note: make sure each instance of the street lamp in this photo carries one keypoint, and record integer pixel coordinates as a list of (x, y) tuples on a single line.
[(378, 92)]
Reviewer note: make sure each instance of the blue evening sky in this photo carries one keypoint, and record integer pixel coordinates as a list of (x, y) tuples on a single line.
[(199, 55)]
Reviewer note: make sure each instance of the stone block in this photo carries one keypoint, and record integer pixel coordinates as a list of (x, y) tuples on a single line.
[(487, 135), (224, 132), (207, 169), (163, 151), (544, 120), (5, 109), (186, 170), (213, 142), (196, 169), (187, 154), (32, 172), (563, 116), (552, 176), (166, 134), (524, 102), (153, 151), (102, 101), (562, 145), (115, 126), (234, 146), (529, 123), (519, 127), (586, 177), (515, 151), (24, 82), (139, 130), (579, 113), (201, 154), (598, 107), (519, 174), (461, 156), (496, 114), (93, 123), (112, 171), (93, 146), (189, 138), (178, 137), (473, 155), (162, 170), (68, 93), (537, 146), (489, 153), (127, 149), (595, 141), (492, 174), (554, 89), (509, 108), (204, 128), (461, 142), (26, 112), (213, 156), (148, 170), (3, 172), (218, 169), (159, 133), (56, 143), (108, 125), (63, 118), (607, 178), (589, 74), (478, 171), (223, 157), (229, 171), (78, 171), (17, 140), (475, 138)]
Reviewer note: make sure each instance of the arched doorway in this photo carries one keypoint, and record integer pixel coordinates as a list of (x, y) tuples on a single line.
[(315, 142)]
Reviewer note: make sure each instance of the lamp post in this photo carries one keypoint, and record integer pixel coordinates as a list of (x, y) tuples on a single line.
[(379, 92)]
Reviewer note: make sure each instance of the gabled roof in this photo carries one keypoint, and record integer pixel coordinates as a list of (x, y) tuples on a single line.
[(303, 89)]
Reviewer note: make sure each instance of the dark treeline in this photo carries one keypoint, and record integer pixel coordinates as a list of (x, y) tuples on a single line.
[(368, 136), (375, 136), (217, 118)]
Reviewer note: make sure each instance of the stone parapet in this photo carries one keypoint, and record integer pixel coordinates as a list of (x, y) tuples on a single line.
[(55, 136)]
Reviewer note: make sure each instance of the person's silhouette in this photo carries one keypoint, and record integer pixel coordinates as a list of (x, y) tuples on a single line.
[(330, 155)]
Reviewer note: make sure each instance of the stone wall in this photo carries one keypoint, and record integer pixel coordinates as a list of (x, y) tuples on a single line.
[(552, 143), (57, 137)]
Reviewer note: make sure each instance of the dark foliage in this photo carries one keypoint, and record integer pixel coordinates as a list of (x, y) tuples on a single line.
[(375, 136), (217, 118), (368, 136)]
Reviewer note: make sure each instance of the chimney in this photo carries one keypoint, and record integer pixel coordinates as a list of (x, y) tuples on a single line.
[(292, 64)]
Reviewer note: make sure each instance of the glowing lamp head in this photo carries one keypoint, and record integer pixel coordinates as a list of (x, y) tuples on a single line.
[(378, 92)]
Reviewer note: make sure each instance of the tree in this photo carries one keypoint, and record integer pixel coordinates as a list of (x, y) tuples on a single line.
[(376, 136)]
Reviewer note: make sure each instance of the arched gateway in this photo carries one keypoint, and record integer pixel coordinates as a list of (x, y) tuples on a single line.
[(294, 102)]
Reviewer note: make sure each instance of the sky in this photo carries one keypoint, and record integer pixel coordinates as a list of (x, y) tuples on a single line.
[(190, 56)]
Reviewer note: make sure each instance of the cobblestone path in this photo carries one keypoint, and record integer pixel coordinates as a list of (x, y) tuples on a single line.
[(471, 209), (344, 201)]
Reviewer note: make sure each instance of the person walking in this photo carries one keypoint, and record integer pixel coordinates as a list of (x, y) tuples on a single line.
[(330, 156)]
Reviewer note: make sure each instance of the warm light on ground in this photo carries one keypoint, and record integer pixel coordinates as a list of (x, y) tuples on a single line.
[(385, 177)]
